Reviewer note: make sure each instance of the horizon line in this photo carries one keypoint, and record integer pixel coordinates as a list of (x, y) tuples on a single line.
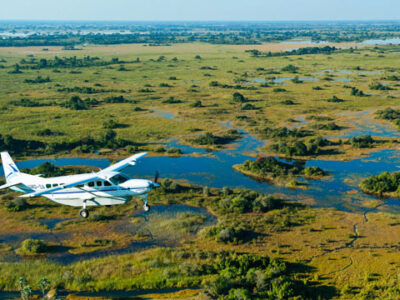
[(221, 21)]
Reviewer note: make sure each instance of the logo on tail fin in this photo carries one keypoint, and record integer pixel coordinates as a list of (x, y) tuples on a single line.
[(13, 170)]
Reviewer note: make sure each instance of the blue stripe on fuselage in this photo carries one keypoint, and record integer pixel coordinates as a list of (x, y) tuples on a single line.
[(94, 191)]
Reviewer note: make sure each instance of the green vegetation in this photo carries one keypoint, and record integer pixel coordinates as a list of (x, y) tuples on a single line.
[(38, 79), (300, 51), (284, 133), (274, 170), (390, 114), (33, 247), (335, 99), (287, 102), (384, 184), (299, 148), (356, 92), (327, 126), (182, 91), (290, 69), (209, 139), (47, 169), (379, 87), (242, 276), (364, 141)]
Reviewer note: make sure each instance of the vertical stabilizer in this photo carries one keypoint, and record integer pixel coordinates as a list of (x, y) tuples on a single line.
[(9, 167)]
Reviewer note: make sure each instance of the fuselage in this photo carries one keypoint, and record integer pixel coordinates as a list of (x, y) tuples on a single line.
[(115, 188)]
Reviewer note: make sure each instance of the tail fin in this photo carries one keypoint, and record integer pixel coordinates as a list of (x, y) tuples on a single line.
[(10, 169)]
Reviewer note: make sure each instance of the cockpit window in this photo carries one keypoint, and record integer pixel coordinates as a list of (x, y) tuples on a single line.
[(118, 179)]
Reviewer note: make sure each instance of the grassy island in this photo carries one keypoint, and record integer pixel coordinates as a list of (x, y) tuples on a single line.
[(383, 185), (275, 171)]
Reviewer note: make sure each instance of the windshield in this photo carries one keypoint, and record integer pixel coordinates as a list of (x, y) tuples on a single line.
[(118, 179)]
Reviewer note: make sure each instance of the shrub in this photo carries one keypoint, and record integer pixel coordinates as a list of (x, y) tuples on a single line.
[(197, 104), (290, 68), (172, 100), (335, 99), (328, 126), (76, 103), (238, 97), (248, 106), (38, 79), (356, 92), (110, 124), (174, 150), (211, 139), (170, 186), (17, 204), (32, 247), (297, 80), (287, 102), (364, 141), (379, 87), (314, 172), (115, 99), (389, 114)]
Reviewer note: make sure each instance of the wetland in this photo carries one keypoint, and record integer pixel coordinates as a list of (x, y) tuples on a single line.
[(315, 129)]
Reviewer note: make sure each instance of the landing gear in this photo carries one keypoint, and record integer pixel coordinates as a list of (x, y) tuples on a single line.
[(84, 213), (146, 207)]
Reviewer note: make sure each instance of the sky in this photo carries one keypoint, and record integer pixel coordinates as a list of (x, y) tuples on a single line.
[(200, 10)]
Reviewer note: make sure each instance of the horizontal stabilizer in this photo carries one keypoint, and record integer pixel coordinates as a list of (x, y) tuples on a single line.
[(8, 185)]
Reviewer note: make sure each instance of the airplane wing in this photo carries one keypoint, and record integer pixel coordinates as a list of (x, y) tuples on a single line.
[(130, 161), (61, 187)]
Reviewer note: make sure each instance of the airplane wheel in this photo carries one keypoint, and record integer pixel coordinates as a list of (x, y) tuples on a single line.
[(146, 207), (84, 213)]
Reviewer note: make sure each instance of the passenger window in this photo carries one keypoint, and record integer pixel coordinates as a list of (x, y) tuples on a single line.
[(80, 185), (55, 184), (106, 183), (99, 183), (91, 183), (48, 186)]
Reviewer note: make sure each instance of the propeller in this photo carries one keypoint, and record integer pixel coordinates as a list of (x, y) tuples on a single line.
[(154, 184), (156, 177)]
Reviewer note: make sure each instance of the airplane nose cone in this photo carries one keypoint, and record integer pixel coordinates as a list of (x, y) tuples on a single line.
[(153, 184)]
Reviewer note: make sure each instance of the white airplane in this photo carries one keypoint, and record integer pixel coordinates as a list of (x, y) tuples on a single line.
[(106, 187)]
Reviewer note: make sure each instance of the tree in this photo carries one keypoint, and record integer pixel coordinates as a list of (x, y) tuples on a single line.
[(43, 284), (76, 103), (24, 288), (110, 135), (238, 97)]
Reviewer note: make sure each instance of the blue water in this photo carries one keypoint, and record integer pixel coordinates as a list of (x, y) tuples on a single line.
[(215, 170), (280, 80), (125, 226), (164, 114), (395, 41)]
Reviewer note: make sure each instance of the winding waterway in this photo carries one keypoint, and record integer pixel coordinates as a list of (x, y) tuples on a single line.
[(214, 169)]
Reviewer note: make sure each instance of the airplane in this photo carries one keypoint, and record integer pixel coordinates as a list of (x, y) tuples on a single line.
[(105, 187)]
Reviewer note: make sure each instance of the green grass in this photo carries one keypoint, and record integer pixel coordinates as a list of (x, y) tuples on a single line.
[(145, 127)]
